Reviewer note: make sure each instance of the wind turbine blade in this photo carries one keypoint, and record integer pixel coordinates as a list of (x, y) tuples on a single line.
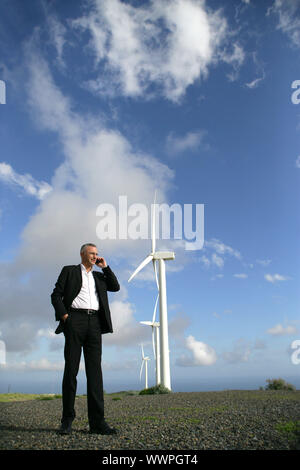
[(141, 369), (146, 323), (155, 272), (154, 312), (153, 342), (141, 266), (143, 355), (153, 225)]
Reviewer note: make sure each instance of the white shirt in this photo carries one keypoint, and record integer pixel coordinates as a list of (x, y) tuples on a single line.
[(87, 297)]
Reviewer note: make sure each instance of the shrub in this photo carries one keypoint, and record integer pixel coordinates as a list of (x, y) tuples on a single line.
[(157, 389), (291, 430), (279, 384)]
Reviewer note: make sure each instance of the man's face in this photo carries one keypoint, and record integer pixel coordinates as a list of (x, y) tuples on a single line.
[(89, 255)]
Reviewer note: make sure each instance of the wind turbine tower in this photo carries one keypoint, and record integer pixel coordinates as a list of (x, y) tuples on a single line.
[(160, 257), (145, 360)]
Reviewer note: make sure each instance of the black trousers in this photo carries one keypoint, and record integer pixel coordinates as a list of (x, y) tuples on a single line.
[(82, 331)]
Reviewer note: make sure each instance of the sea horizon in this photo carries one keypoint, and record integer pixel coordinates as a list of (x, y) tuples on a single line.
[(203, 385)]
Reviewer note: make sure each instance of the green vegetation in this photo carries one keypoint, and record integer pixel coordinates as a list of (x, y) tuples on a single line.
[(48, 397), (279, 384), (156, 390), (115, 396), (6, 397), (291, 430), (273, 384), (124, 393)]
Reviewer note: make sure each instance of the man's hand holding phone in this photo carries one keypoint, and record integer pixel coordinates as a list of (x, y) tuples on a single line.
[(101, 263)]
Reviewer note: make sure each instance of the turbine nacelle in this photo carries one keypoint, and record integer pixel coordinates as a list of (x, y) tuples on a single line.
[(163, 255), (156, 256), (150, 323)]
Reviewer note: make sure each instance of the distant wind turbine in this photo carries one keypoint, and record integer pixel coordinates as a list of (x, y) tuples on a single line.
[(145, 360), (160, 256), (155, 340)]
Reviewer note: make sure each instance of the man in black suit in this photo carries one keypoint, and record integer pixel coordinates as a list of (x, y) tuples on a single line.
[(82, 309)]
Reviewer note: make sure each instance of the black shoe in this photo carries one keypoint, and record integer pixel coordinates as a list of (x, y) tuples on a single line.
[(66, 426), (103, 428)]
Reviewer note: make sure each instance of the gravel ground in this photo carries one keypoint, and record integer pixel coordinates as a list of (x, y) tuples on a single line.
[(224, 420)]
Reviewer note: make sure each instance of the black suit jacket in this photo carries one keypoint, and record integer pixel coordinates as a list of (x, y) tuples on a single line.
[(68, 286)]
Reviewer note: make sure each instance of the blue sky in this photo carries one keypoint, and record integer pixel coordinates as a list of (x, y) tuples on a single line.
[(189, 98)]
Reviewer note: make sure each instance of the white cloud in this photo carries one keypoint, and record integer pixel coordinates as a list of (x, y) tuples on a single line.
[(259, 344), (45, 364), (202, 354), (46, 333), (178, 324), (225, 312), (189, 142), (298, 162), (287, 12), (255, 82), (279, 330), (42, 364), (241, 276), (217, 276), (99, 165), (205, 261), (240, 353), (79, 186), (170, 44), (219, 251), (260, 72), (38, 189), (217, 260), (221, 248), (120, 365), (127, 330), (236, 59), (23, 338), (57, 32), (264, 262), (276, 278)]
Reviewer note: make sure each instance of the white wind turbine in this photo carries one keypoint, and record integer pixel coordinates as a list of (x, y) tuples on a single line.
[(145, 360), (161, 257), (155, 342)]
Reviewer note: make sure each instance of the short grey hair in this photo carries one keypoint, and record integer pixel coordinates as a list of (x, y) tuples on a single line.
[(83, 248)]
